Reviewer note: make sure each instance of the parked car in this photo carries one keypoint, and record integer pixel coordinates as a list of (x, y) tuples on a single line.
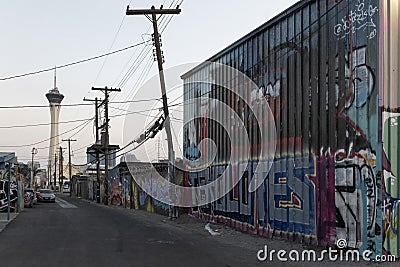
[(37, 194), (46, 195), (33, 194), (66, 189), (28, 199)]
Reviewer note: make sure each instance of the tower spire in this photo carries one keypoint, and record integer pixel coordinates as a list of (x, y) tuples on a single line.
[(55, 77)]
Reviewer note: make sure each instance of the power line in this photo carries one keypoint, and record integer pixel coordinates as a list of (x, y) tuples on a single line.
[(42, 124), (86, 122), (141, 78), (145, 114), (77, 104), (78, 120), (40, 142), (71, 64), (111, 46), (145, 50), (146, 70), (42, 106)]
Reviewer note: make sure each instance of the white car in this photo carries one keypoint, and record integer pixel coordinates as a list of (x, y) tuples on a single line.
[(66, 189), (46, 195)]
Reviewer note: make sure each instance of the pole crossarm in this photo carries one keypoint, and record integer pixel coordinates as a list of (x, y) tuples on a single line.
[(153, 10), (105, 89)]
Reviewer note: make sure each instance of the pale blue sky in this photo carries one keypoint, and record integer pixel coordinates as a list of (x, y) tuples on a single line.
[(42, 34)]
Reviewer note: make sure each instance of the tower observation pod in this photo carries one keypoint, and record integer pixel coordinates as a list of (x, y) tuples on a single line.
[(55, 99)]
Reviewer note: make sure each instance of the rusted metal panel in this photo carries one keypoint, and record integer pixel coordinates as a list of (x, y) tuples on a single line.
[(318, 66)]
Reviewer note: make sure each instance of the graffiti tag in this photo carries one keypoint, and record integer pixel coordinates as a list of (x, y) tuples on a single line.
[(362, 18)]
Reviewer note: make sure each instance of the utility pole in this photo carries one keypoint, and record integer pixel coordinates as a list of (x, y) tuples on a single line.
[(55, 171), (160, 58), (158, 149), (49, 176), (69, 161), (61, 175), (96, 105), (105, 127), (34, 151)]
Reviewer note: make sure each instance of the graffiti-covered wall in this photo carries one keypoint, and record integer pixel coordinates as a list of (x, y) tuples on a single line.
[(390, 107), (142, 195), (4, 191), (318, 66)]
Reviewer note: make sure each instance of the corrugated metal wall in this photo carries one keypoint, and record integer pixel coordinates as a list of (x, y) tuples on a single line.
[(318, 67), (390, 61)]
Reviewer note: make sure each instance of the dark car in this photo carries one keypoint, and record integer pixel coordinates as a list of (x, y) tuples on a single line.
[(46, 195)]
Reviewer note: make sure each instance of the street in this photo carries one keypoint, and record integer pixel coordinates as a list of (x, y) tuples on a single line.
[(74, 232)]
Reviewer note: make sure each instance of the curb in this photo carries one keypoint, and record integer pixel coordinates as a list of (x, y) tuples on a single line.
[(4, 223)]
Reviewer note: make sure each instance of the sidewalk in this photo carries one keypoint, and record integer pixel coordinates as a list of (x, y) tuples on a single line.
[(3, 219)]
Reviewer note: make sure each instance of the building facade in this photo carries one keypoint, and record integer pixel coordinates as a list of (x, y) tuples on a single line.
[(328, 70)]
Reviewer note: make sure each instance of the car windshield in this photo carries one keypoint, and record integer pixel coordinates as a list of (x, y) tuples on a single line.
[(46, 191)]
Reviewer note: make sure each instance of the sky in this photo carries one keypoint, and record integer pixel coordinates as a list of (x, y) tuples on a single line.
[(39, 35)]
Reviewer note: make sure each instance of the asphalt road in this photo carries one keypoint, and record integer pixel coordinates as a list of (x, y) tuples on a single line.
[(78, 233)]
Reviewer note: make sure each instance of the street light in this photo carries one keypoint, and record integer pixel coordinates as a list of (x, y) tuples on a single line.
[(34, 152)]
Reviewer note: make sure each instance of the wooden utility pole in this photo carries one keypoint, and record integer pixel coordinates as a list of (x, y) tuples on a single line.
[(153, 12), (55, 171), (69, 162), (105, 128), (49, 176), (96, 106), (61, 171), (34, 151)]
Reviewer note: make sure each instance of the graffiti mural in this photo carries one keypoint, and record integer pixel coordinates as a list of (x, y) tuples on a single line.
[(141, 193), (391, 223), (4, 195), (289, 195), (357, 185), (115, 192), (356, 196), (359, 19), (319, 71)]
